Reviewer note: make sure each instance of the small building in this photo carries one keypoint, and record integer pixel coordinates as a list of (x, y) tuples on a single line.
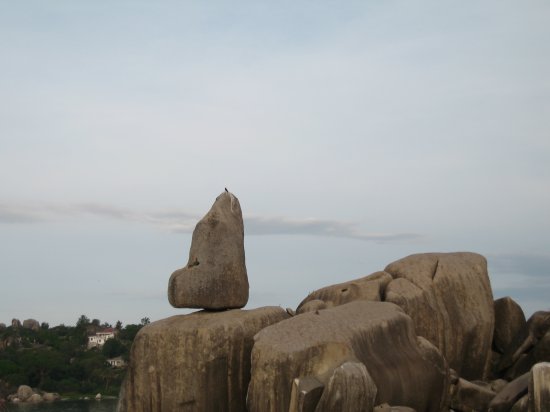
[(117, 362), (99, 339)]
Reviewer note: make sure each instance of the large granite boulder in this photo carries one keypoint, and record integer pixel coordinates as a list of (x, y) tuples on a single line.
[(449, 297), (327, 346), (370, 288), (215, 276), (195, 362), (436, 290), (509, 320)]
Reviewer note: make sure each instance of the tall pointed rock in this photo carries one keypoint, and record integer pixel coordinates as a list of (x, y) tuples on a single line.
[(215, 276)]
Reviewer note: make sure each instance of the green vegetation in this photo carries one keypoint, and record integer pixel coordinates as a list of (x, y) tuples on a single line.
[(57, 359)]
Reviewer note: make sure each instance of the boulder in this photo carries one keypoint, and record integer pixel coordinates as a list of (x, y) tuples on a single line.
[(539, 388), (367, 288), (511, 364), (15, 323), (31, 324), (510, 394), (195, 362), (2, 326), (449, 298), (509, 320), (215, 276), (24, 392), (470, 397), (50, 396), (330, 345), (35, 398)]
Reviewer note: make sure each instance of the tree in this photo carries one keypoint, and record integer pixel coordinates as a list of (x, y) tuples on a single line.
[(145, 321), (82, 321), (113, 348), (118, 325)]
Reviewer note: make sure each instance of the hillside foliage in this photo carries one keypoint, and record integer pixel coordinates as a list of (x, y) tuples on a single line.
[(57, 359)]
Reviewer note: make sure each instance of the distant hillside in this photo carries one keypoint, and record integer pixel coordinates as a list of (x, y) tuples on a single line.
[(57, 359)]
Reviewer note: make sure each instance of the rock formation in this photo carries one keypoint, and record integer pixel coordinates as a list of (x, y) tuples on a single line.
[(215, 276), (32, 324), (330, 346), (196, 362), (417, 336), (437, 290)]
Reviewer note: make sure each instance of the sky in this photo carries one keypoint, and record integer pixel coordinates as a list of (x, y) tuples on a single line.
[(353, 134)]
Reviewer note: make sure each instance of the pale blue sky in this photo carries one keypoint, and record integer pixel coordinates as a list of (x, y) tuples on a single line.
[(353, 133)]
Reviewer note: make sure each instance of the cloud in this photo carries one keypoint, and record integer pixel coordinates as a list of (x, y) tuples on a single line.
[(316, 227), (184, 222)]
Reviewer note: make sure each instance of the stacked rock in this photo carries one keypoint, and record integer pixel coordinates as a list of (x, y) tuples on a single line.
[(201, 361), (215, 277)]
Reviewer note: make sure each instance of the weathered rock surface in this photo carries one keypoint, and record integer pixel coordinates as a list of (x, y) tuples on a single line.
[(195, 362), (350, 388), (315, 344), (509, 320), (448, 295), (367, 288), (389, 408), (510, 394), (31, 324), (517, 358), (15, 323), (215, 276), (470, 397), (539, 388)]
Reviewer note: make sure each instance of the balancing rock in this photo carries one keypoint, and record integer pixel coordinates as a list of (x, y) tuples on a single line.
[(215, 276)]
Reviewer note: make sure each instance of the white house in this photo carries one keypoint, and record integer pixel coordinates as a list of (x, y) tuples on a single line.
[(117, 362), (99, 339)]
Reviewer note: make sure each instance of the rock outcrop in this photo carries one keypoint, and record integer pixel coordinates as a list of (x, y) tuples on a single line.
[(449, 297), (31, 324), (215, 276), (436, 290), (329, 346), (195, 362)]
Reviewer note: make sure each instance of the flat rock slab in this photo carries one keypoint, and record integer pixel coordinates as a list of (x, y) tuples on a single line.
[(215, 276), (195, 362), (315, 344)]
